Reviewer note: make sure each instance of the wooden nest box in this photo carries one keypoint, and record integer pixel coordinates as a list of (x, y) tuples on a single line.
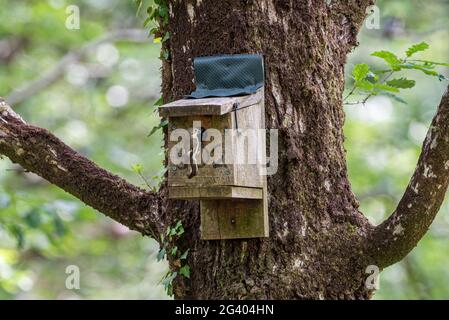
[(216, 154)]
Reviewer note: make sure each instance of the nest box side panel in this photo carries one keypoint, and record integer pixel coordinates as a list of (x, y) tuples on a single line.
[(249, 146)]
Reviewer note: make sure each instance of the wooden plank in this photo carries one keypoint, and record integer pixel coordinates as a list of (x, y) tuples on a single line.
[(207, 106), (247, 144), (233, 219), (216, 192)]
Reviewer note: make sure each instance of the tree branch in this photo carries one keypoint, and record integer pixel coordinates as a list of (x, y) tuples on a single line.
[(39, 151), (400, 233), (52, 75)]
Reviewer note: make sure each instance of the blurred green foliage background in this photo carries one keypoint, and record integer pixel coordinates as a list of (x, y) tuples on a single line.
[(102, 105)]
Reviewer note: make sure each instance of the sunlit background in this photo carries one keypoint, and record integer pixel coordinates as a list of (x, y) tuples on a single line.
[(101, 103)]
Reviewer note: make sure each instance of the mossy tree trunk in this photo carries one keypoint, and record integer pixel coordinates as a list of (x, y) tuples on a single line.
[(316, 247), (320, 245)]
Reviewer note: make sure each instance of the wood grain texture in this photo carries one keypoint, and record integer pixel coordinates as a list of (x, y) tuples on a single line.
[(207, 106), (215, 192), (235, 219)]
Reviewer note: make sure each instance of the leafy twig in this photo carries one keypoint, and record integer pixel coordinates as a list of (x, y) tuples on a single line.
[(369, 82)]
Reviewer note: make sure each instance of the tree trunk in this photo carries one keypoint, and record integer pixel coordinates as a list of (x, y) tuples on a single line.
[(320, 245), (317, 244)]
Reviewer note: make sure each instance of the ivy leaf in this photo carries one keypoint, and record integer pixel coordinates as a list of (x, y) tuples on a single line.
[(184, 255), (185, 271), (165, 55), (166, 36), (161, 254), (162, 124), (174, 250), (389, 57), (173, 232), (360, 72), (168, 279), (180, 231), (401, 83), (417, 48), (159, 102)]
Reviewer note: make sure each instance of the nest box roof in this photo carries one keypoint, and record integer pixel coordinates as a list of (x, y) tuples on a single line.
[(209, 106)]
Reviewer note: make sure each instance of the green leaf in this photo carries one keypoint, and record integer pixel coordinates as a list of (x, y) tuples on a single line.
[(165, 54), (365, 85), (168, 279), (402, 83), (425, 70), (33, 219), (360, 72), (174, 250), (380, 72), (180, 231), (417, 48), (184, 255), (166, 36), (18, 233), (385, 87), (388, 56), (185, 271), (162, 124), (137, 168), (159, 102), (60, 228), (161, 254)]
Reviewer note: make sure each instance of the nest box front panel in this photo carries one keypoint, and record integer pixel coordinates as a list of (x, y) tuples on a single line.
[(197, 172)]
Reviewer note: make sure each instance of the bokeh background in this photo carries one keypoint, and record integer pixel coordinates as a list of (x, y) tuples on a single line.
[(101, 102)]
